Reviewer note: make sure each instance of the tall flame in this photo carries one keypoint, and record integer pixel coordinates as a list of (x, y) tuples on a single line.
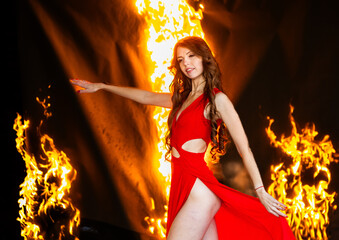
[(167, 22), (301, 182), (46, 211)]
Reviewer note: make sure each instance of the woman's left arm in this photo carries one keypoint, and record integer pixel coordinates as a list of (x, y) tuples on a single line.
[(231, 119)]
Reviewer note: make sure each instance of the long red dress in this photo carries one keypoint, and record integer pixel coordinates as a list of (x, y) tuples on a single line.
[(240, 216)]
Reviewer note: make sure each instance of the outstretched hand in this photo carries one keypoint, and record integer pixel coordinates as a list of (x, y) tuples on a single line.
[(271, 204), (83, 86)]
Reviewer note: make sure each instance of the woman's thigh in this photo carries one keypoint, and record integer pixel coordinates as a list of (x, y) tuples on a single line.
[(211, 232), (195, 216)]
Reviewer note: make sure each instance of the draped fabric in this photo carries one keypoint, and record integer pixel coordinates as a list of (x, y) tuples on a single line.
[(238, 211), (270, 54)]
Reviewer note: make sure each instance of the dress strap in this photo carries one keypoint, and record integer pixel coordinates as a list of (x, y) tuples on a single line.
[(216, 90)]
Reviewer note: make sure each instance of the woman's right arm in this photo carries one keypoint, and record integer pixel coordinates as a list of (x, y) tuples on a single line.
[(135, 94)]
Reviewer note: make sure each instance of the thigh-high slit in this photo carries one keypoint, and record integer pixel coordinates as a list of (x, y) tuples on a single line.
[(239, 217)]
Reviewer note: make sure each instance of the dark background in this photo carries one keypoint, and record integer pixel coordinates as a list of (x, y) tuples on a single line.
[(271, 55)]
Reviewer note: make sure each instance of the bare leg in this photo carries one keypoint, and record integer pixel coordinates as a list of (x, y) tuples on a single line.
[(195, 217), (211, 233)]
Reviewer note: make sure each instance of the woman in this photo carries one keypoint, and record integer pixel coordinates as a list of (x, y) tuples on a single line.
[(199, 206)]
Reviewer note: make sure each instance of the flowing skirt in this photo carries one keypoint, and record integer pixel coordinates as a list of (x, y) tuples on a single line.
[(240, 216)]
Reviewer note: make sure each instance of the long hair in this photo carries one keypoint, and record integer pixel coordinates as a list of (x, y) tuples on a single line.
[(181, 86)]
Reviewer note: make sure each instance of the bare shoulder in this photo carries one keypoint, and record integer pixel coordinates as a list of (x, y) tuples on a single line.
[(225, 108), (222, 100)]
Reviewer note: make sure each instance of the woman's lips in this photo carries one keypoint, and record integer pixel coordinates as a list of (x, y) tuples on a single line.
[(189, 70)]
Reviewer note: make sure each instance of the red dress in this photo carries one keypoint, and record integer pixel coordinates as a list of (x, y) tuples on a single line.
[(240, 216)]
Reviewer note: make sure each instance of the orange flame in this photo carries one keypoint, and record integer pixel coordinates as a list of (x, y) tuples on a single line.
[(301, 182), (44, 192), (167, 21)]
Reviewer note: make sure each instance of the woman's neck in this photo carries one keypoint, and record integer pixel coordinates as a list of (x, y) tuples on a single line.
[(198, 85)]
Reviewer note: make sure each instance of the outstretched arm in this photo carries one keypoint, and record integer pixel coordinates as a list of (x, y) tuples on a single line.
[(135, 94), (233, 123)]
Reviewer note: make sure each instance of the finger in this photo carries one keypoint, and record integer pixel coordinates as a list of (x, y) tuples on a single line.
[(271, 210), (277, 211), (80, 83), (74, 80), (276, 202), (281, 213), (282, 208), (83, 91), (281, 205), (277, 205)]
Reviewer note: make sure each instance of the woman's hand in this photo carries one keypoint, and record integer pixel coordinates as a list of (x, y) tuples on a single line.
[(83, 86), (272, 205)]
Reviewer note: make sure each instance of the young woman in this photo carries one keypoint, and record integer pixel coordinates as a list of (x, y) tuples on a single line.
[(199, 206)]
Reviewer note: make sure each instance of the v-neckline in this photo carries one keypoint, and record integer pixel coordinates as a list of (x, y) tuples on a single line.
[(178, 116)]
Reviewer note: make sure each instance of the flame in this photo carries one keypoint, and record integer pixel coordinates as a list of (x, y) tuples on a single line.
[(44, 193), (167, 22), (301, 182)]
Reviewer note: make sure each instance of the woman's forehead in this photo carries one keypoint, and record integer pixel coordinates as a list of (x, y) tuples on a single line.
[(182, 51)]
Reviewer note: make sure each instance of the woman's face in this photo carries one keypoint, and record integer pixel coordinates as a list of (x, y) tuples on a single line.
[(190, 63)]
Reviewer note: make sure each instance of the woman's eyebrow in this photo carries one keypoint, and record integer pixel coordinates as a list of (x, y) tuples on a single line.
[(185, 54)]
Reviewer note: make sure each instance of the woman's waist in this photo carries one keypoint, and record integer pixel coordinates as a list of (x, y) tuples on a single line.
[(178, 142), (189, 158), (190, 163)]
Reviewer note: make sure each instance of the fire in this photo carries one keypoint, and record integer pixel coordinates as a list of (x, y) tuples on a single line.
[(301, 181), (167, 21), (46, 211)]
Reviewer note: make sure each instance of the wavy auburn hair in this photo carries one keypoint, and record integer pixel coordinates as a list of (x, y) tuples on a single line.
[(181, 86)]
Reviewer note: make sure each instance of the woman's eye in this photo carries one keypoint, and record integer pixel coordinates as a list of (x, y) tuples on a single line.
[(191, 55), (179, 60)]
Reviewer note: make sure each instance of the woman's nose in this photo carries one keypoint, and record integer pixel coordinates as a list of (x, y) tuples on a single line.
[(185, 61)]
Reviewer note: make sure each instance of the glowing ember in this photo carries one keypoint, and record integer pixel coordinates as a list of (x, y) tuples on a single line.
[(301, 182), (167, 21), (46, 211)]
